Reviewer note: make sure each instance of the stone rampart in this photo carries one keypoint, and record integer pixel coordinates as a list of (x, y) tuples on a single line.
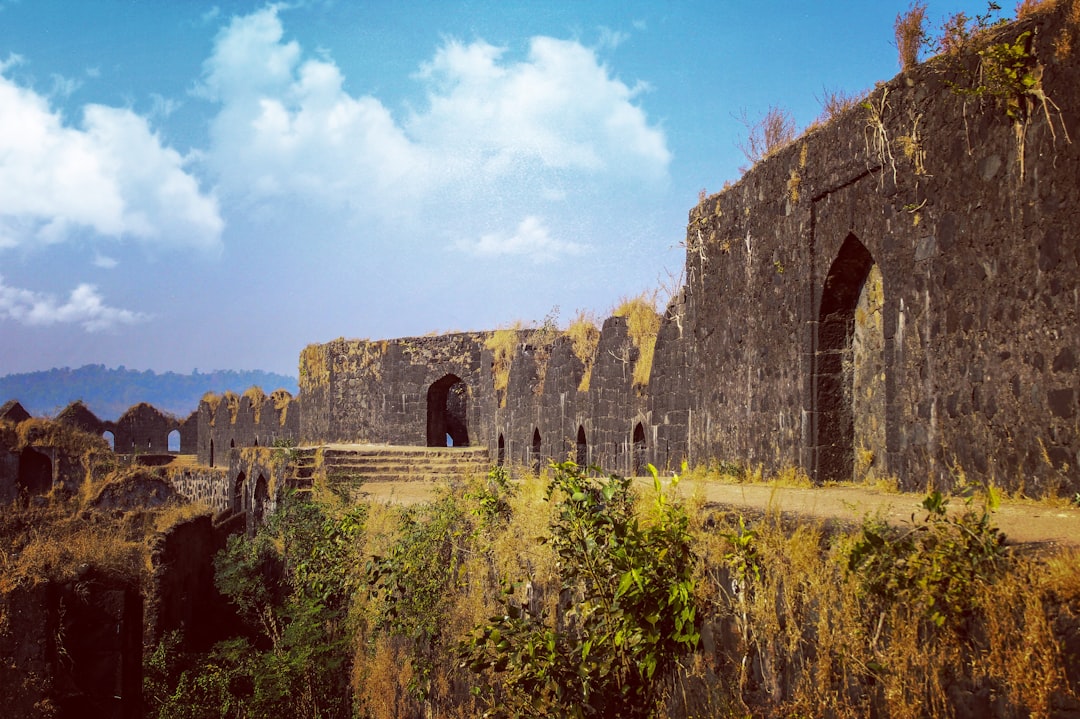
[(892, 294)]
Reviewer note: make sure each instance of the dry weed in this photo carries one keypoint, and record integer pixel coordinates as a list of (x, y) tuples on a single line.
[(775, 129), (835, 103), (642, 324), (584, 337), (910, 34)]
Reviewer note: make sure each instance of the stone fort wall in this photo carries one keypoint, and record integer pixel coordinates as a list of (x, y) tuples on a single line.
[(893, 294)]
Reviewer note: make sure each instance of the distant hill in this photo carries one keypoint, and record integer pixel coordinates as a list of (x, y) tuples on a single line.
[(109, 392)]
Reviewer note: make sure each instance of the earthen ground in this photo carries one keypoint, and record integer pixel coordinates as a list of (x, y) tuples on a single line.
[(1023, 522)]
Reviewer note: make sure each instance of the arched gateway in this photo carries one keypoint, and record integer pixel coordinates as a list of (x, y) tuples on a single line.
[(447, 407)]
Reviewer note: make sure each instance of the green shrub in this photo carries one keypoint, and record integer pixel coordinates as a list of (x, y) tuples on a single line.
[(632, 611)]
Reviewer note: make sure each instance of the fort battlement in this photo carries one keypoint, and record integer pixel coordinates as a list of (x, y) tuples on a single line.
[(893, 294)]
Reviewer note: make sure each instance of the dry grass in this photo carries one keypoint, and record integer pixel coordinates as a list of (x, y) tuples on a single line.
[(802, 641), (835, 103), (51, 543), (910, 34), (212, 400), (584, 337), (1027, 8), (167, 518), (314, 371), (642, 324), (47, 433), (503, 344), (256, 398), (774, 130), (281, 400)]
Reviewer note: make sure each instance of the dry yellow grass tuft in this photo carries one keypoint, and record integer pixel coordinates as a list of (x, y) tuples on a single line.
[(910, 34), (1027, 8), (503, 344), (52, 543), (584, 336), (643, 324), (835, 103), (256, 397), (212, 400), (314, 372), (281, 400)]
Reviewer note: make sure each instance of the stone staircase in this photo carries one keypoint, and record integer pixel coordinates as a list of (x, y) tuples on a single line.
[(356, 464)]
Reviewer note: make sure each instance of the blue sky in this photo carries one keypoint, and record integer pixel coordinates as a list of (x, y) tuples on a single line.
[(215, 185)]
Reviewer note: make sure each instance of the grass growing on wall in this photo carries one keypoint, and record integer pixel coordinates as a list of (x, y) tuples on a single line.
[(584, 337), (503, 344), (314, 372), (256, 398), (643, 324)]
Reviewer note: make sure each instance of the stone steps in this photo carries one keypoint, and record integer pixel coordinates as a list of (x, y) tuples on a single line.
[(357, 464), (184, 460)]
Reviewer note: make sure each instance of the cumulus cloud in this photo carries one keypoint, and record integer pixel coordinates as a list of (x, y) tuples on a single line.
[(286, 125), (84, 306), (531, 240), (111, 175)]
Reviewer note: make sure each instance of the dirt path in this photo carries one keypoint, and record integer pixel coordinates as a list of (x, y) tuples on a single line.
[(1022, 522)]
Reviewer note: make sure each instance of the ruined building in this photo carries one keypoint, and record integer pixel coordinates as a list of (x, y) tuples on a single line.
[(896, 292), (893, 294)]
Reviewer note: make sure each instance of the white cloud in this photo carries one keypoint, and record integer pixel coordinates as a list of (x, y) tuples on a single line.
[(112, 176), (286, 125), (531, 239), (561, 108), (611, 39), (84, 307), (105, 262), (162, 106), (64, 86)]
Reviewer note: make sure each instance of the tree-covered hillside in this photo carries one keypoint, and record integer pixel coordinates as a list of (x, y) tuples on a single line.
[(109, 392)]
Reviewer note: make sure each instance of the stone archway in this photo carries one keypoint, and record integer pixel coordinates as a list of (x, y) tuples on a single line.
[(447, 412), (639, 448), (260, 499), (537, 447), (849, 386), (35, 472), (501, 456), (581, 455), (238, 493)]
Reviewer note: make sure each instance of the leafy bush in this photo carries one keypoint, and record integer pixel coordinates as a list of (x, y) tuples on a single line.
[(934, 565), (631, 613), (291, 585), (413, 585)]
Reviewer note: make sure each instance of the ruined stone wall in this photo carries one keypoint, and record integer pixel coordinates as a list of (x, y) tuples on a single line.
[(379, 392), (142, 429), (615, 405), (72, 649), (979, 263), (671, 401), (893, 294), (252, 420), (181, 594), (209, 485)]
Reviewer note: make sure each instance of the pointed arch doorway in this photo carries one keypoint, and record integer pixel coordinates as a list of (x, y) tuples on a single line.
[(447, 409), (849, 372)]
